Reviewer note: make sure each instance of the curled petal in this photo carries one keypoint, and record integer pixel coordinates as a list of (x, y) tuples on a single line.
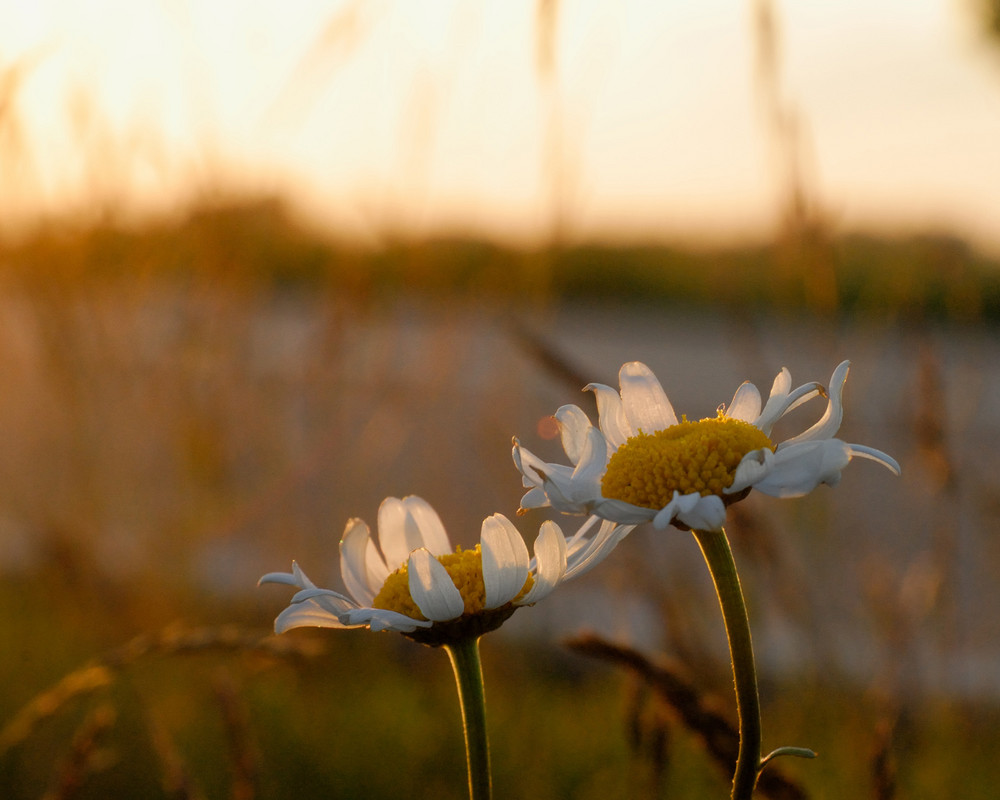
[(611, 414), (381, 619), (829, 423), (432, 588), (707, 514), (752, 468), (560, 491), (573, 427), (534, 498), (571, 490), (782, 400), (294, 578), (529, 465), (505, 560), (699, 513), (884, 459), (285, 578)]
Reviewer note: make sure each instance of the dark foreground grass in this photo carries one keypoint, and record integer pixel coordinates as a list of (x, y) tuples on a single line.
[(231, 711)]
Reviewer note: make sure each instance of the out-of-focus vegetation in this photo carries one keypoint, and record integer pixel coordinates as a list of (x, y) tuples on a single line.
[(261, 243), (230, 712), (191, 403)]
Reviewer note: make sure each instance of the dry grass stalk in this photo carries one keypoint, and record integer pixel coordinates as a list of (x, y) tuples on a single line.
[(883, 762), (174, 640), (718, 735), (86, 755), (176, 780), (242, 754), (648, 730)]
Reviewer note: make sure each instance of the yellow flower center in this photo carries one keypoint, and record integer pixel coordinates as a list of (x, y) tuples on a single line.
[(688, 457), (465, 567)]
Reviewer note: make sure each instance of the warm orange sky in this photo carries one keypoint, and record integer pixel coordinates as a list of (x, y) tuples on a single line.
[(407, 114)]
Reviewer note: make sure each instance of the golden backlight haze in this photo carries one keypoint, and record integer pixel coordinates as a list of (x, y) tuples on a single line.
[(511, 119)]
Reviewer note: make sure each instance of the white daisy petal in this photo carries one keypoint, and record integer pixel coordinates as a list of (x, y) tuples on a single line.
[(407, 525), (528, 464), (597, 549), (774, 407), (505, 560), (801, 467), (432, 531), (646, 405), (279, 577), (752, 468), (573, 427), (534, 498), (623, 513), (746, 403), (395, 537), (707, 514), (381, 619), (593, 461), (354, 550), (308, 614), (611, 414), (578, 539), (432, 588), (335, 601), (300, 577), (550, 558), (562, 493), (829, 423), (876, 455), (567, 489), (294, 578), (376, 569), (782, 400), (678, 506)]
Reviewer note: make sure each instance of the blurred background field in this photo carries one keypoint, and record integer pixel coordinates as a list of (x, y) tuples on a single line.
[(197, 394)]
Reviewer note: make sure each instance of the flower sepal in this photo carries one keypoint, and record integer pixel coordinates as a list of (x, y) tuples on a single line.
[(467, 626)]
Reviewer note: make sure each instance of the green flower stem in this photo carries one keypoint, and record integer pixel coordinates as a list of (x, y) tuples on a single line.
[(719, 557), (464, 655)]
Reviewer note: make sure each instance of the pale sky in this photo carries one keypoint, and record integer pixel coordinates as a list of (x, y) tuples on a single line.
[(427, 115)]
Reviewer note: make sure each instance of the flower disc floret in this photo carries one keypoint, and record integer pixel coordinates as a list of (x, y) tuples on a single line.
[(464, 567), (689, 457)]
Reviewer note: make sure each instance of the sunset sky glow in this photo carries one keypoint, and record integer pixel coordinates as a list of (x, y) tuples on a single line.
[(431, 116)]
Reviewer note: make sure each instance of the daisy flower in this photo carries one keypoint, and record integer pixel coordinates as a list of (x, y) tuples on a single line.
[(642, 464), (415, 583)]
